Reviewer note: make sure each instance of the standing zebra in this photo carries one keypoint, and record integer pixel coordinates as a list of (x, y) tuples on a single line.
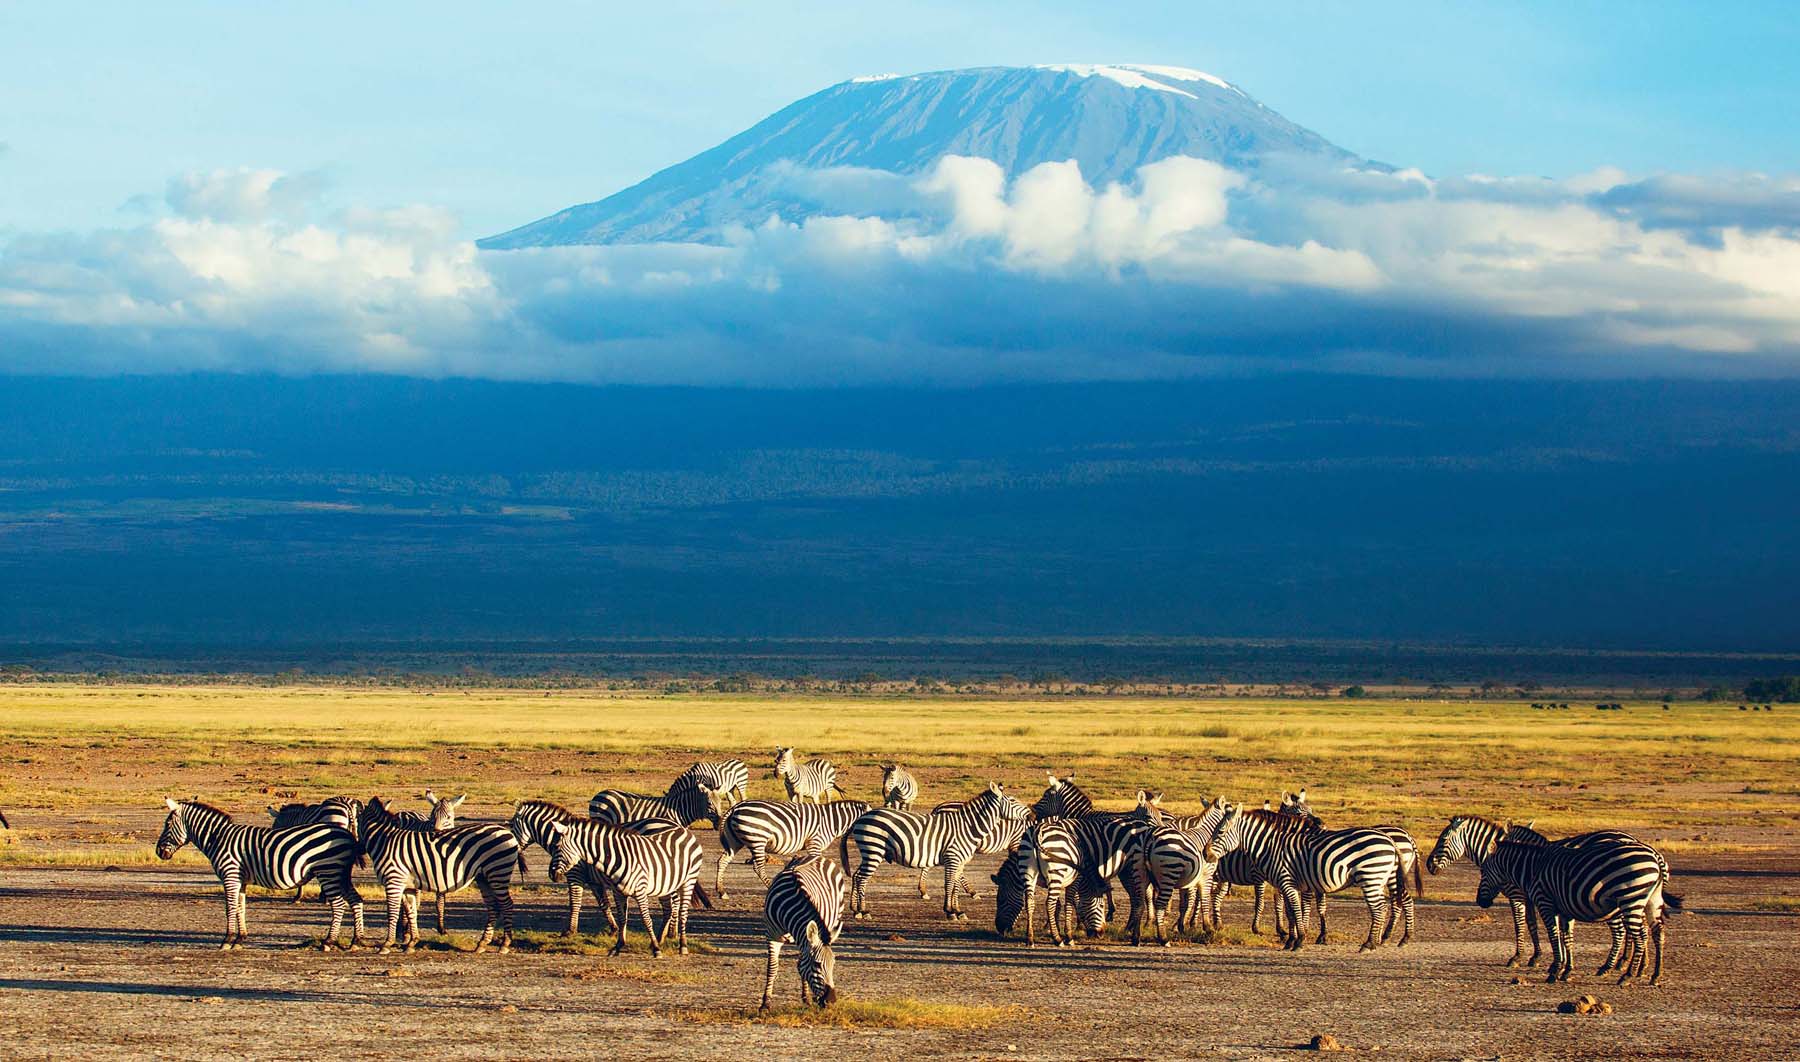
[(731, 777), (1062, 799), (812, 780), (682, 805), (1015, 819), (1062, 852), (641, 867), (898, 789), (1299, 858), (542, 823), (1474, 838), (1174, 866), (805, 906), (1588, 880), (885, 835), (408, 856), (339, 811), (777, 827), (243, 855), (1401, 906)]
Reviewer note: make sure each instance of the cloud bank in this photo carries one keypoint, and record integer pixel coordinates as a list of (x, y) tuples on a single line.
[(957, 276)]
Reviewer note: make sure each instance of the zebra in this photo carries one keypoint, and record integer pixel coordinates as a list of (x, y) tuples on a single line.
[(639, 866), (1473, 837), (1174, 865), (1586, 879), (1015, 819), (1399, 908), (777, 827), (683, 805), (1093, 898), (805, 907), (408, 856), (898, 789), (1062, 799), (731, 777), (1240, 868), (339, 811), (811, 780), (1060, 852), (1298, 856), (243, 855), (885, 835)]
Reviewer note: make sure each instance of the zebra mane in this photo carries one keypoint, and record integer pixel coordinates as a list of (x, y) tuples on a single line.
[(1518, 833), (551, 804), (1281, 823), (197, 804)]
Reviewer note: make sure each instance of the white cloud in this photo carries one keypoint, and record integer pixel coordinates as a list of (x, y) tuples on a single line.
[(959, 275)]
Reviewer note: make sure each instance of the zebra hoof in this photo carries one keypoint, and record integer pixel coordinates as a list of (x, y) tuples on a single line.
[(682, 950), (1515, 962)]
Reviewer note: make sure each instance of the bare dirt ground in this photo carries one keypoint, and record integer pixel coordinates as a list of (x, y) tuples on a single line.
[(98, 962)]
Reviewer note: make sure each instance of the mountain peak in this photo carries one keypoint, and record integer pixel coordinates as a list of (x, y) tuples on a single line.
[(1111, 119)]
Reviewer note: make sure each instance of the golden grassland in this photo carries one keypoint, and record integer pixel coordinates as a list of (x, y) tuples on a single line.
[(1693, 766)]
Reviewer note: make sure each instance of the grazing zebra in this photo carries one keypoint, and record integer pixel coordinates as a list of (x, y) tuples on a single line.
[(243, 855), (1588, 880), (408, 856), (730, 777), (1062, 799), (1093, 898), (1015, 819), (898, 789), (1474, 838), (337, 811), (682, 805), (909, 839), (777, 827), (1298, 857), (640, 866), (805, 906), (811, 780), (1061, 852)]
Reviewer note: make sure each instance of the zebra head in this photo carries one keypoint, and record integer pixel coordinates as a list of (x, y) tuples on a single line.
[(1295, 804), (1451, 845), (784, 762), (718, 803), (818, 966), (1054, 802), (1149, 806), (1228, 835), (563, 855), (1507, 867), (443, 812), (174, 831)]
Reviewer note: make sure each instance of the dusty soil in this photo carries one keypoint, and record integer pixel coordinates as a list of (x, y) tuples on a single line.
[(101, 962)]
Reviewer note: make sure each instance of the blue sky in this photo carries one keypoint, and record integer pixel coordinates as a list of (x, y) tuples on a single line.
[(501, 113)]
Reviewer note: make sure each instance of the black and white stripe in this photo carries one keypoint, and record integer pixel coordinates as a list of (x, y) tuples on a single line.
[(339, 811), (730, 777), (813, 780), (682, 805), (1062, 799), (1604, 878), (1093, 898), (642, 866), (780, 828), (1401, 902), (898, 788), (805, 907), (1474, 838), (1061, 852), (908, 839), (1305, 862), (243, 855), (1015, 819), (408, 857)]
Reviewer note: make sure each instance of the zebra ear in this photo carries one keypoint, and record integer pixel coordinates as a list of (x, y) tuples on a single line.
[(1266, 806), (430, 797), (170, 801), (272, 811), (1050, 776), (1300, 797), (457, 803)]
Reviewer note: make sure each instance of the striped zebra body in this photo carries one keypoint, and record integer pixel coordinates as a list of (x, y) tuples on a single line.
[(408, 857), (243, 855), (805, 907), (339, 811), (813, 780), (1062, 799), (778, 827), (1093, 898), (898, 789), (1173, 867), (1240, 868), (1474, 838), (442, 816), (1063, 851), (542, 823), (1401, 902), (1589, 879), (1306, 862), (1015, 819), (912, 840), (730, 777), (641, 866), (682, 806)]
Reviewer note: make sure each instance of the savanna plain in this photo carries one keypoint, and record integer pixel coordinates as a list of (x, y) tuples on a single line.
[(109, 952)]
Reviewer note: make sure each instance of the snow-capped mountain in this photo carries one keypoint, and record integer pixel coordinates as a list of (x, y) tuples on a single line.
[(1110, 119)]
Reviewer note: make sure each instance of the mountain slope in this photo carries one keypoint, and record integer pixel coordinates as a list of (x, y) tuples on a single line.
[(1110, 119)]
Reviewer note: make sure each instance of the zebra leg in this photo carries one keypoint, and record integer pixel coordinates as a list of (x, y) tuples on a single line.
[(859, 903), (1656, 944), (649, 925), (233, 889), (952, 878), (396, 899), (243, 919), (503, 892), (923, 895), (1531, 923), (1520, 913), (1553, 929), (412, 920), (1031, 913), (1319, 908), (440, 912), (668, 910), (1615, 955), (1256, 914), (1376, 896), (769, 975), (719, 876), (575, 909), (759, 858), (684, 904)]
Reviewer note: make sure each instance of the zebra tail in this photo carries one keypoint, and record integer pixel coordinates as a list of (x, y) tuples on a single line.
[(1418, 882), (523, 869), (700, 894), (844, 850), (1673, 902)]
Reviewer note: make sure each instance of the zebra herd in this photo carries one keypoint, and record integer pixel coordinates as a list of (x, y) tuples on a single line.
[(633, 849)]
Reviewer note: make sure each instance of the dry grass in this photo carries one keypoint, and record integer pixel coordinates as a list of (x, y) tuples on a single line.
[(1779, 904), (897, 1013)]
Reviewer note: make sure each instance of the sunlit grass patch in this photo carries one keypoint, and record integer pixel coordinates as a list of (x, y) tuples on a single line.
[(546, 943), (895, 1013), (1781, 904)]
